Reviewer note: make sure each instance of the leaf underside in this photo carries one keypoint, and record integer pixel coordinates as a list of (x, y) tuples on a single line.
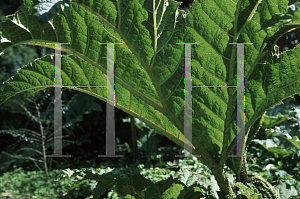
[(149, 65)]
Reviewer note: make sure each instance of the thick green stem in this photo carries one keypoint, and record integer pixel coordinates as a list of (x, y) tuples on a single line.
[(242, 176), (223, 182)]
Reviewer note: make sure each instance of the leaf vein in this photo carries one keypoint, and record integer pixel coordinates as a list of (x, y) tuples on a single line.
[(221, 10)]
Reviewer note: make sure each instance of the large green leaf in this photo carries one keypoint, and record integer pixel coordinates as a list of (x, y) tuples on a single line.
[(149, 66)]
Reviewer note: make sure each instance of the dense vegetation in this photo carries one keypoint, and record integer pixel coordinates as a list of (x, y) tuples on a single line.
[(23, 173)]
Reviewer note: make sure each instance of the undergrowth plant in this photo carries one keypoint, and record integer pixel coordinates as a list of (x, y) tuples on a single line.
[(36, 143), (149, 69), (35, 184)]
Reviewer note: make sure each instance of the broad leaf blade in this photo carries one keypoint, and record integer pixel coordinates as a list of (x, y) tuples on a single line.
[(213, 27), (83, 27), (149, 66)]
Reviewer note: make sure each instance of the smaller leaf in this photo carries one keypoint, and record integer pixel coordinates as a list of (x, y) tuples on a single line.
[(249, 192), (286, 192)]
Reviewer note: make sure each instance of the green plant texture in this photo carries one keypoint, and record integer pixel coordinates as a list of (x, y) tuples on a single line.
[(264, 187), (36, 142), (149, 65), (35, 184), (144, 183)]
